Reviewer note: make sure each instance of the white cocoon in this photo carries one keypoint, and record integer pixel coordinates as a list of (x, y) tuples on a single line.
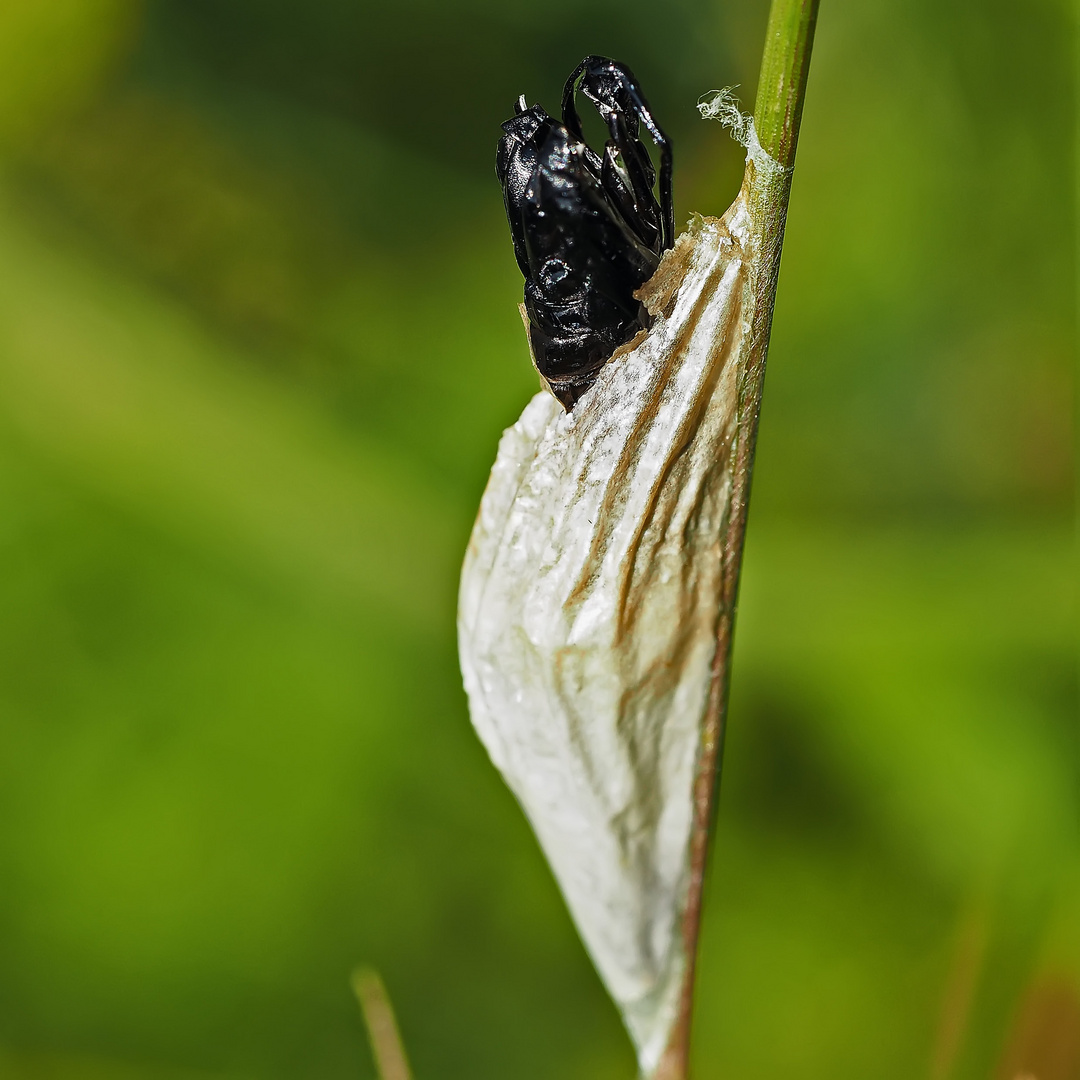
[(589, 608)]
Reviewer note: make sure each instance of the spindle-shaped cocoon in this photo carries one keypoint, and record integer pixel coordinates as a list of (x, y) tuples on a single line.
[(590, 602)]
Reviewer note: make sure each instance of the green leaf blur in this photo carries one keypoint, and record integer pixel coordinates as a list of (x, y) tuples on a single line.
[(258, 339)]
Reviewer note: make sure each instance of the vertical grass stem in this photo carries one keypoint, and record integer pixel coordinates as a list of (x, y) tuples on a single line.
[(777, 116)]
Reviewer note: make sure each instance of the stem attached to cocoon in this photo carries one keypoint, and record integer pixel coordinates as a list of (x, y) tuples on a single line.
[(598, 592)]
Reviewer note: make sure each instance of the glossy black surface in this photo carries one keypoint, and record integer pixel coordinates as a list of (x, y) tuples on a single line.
[(587, 229)]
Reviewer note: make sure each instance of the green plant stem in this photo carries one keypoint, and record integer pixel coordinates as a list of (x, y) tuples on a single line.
[(782, 82), (778, 113)]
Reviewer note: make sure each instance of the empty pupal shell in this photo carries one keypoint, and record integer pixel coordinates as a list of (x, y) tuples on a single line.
[(590, 603)]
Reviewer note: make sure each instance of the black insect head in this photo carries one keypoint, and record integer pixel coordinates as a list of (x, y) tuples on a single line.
[(588, 230)]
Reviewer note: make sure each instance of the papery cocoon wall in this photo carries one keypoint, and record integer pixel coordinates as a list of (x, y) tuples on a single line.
[(591, 600)]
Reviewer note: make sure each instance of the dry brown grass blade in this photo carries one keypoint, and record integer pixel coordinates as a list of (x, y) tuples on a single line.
[(386, 1046), (1044, 1043), (969, 952)]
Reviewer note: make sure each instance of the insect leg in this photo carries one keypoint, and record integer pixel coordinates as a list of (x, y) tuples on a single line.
[(609, 84)]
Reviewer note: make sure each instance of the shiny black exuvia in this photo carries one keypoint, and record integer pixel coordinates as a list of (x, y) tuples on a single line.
[(588, 230)]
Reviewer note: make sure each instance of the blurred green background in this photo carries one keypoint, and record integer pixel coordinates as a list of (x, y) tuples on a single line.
[(258, 339)]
